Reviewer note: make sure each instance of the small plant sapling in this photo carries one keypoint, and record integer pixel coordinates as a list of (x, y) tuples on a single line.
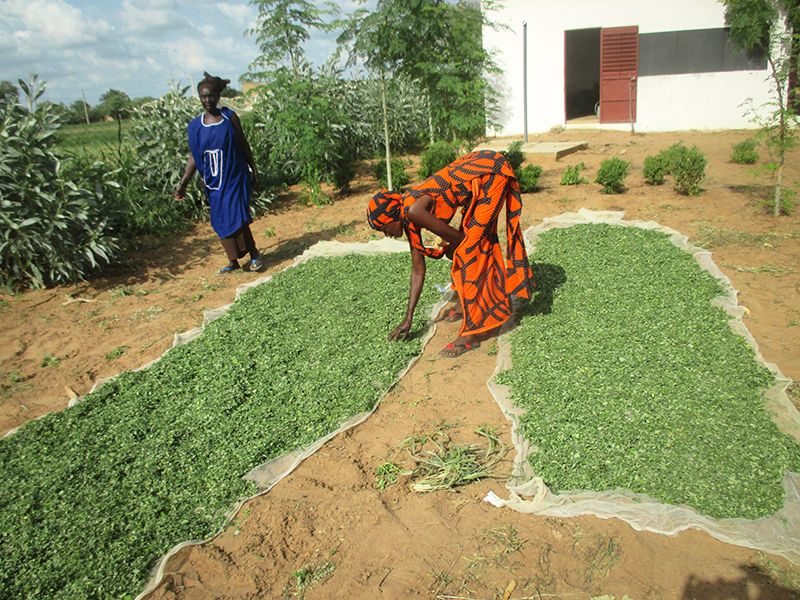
[(688, 168), (744, 153), (528, 178), (655, 169), (612, 175), (514, 155), (572, 176)]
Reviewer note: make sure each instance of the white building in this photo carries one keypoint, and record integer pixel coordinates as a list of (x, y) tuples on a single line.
[(668, 65)]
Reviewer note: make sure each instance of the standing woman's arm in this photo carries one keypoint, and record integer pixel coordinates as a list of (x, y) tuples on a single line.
[(248, 154), (191, 167)]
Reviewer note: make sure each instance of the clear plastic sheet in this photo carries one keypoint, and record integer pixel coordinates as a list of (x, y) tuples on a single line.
[(778, 534)]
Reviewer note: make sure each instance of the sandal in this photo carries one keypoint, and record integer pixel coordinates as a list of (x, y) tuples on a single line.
[(453, 317), (461, 349), (226, 270), (255, 264)]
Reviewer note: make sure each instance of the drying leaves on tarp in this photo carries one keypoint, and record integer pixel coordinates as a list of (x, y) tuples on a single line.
[(630, 378), (94, 495)]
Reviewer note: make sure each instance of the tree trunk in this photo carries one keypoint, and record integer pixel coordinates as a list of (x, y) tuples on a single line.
[(386, 132), (778, 188), (430, 118)]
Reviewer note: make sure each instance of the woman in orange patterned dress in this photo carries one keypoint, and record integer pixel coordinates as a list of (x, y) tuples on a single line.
[(479, 183)]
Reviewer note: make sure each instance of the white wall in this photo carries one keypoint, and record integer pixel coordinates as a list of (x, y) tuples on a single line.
[(665, 103)]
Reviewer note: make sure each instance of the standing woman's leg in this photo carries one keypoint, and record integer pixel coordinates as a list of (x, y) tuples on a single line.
[(231, 247)]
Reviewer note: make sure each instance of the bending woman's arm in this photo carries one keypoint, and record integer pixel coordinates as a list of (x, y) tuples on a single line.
[(420, 213), (417, 281)]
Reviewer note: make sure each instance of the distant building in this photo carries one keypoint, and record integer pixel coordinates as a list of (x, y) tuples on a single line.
[(666, 66)]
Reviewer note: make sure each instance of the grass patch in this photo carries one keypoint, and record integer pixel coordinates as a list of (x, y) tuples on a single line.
[(50, 361), (117, 352), (92, 496), (93, 137), (713, 237), (630, 378)]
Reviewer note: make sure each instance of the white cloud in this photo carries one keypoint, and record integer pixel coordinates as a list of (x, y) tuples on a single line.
[(49, 23), (137, 46), (152, 17), (242, 16)]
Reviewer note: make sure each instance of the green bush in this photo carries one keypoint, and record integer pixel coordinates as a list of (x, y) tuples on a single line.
[(514, 155), (612, 175), (436, 157), (528, 178), (572, 176), (56, 224), (400, 178), (655, 169), (744, 153), (687, 167)]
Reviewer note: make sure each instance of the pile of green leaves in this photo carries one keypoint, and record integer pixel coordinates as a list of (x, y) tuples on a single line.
[(94, 495), (630, 378)]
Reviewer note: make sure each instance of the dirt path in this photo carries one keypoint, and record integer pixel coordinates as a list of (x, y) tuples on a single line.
[(326, 531)]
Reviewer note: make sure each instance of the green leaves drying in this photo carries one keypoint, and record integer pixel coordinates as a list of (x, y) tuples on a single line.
[(92, 496), (630, 378)]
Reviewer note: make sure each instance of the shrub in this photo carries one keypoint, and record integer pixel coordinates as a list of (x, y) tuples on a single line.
[(528, 178), (744, 153), (55, 225), (687, 167), (572, 176), (655, 169), (612, 175), (514, 155), (436, 157), (400, 178)]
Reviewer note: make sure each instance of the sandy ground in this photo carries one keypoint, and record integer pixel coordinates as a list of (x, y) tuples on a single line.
[(326, 531)]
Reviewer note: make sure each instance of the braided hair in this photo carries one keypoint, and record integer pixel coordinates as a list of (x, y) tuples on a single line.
[(217, 84)]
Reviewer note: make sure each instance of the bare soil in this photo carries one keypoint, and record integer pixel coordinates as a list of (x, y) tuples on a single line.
[(326, 531)]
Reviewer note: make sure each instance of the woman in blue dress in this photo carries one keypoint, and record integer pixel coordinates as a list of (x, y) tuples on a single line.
[(222, 156)]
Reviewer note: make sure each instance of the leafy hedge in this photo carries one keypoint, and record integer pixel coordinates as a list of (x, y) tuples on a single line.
[(55, 226), (630, 378), (93, 495)]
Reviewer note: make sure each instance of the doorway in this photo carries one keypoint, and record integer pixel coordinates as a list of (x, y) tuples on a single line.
[(582, 72)]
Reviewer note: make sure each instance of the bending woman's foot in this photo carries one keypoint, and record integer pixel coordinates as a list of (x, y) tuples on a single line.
[(453, 316), (461, 344)]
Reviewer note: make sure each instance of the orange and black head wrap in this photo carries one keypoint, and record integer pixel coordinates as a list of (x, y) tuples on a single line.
[(384, 208)]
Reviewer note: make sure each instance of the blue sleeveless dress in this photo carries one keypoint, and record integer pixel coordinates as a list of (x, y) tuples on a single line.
[(221, 163)]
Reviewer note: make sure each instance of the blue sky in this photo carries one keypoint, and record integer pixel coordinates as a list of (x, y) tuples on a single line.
[(137, 46)]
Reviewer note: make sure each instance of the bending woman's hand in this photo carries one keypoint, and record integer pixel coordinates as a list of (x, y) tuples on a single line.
[(401, 329)]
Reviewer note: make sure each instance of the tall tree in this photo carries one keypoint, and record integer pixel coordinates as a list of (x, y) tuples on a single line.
[(116, 104), (283, 27), (371, 39), (439, 44), (772, 26)]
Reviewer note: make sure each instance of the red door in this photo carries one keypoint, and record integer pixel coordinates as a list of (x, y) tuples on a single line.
[(619, 67)]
